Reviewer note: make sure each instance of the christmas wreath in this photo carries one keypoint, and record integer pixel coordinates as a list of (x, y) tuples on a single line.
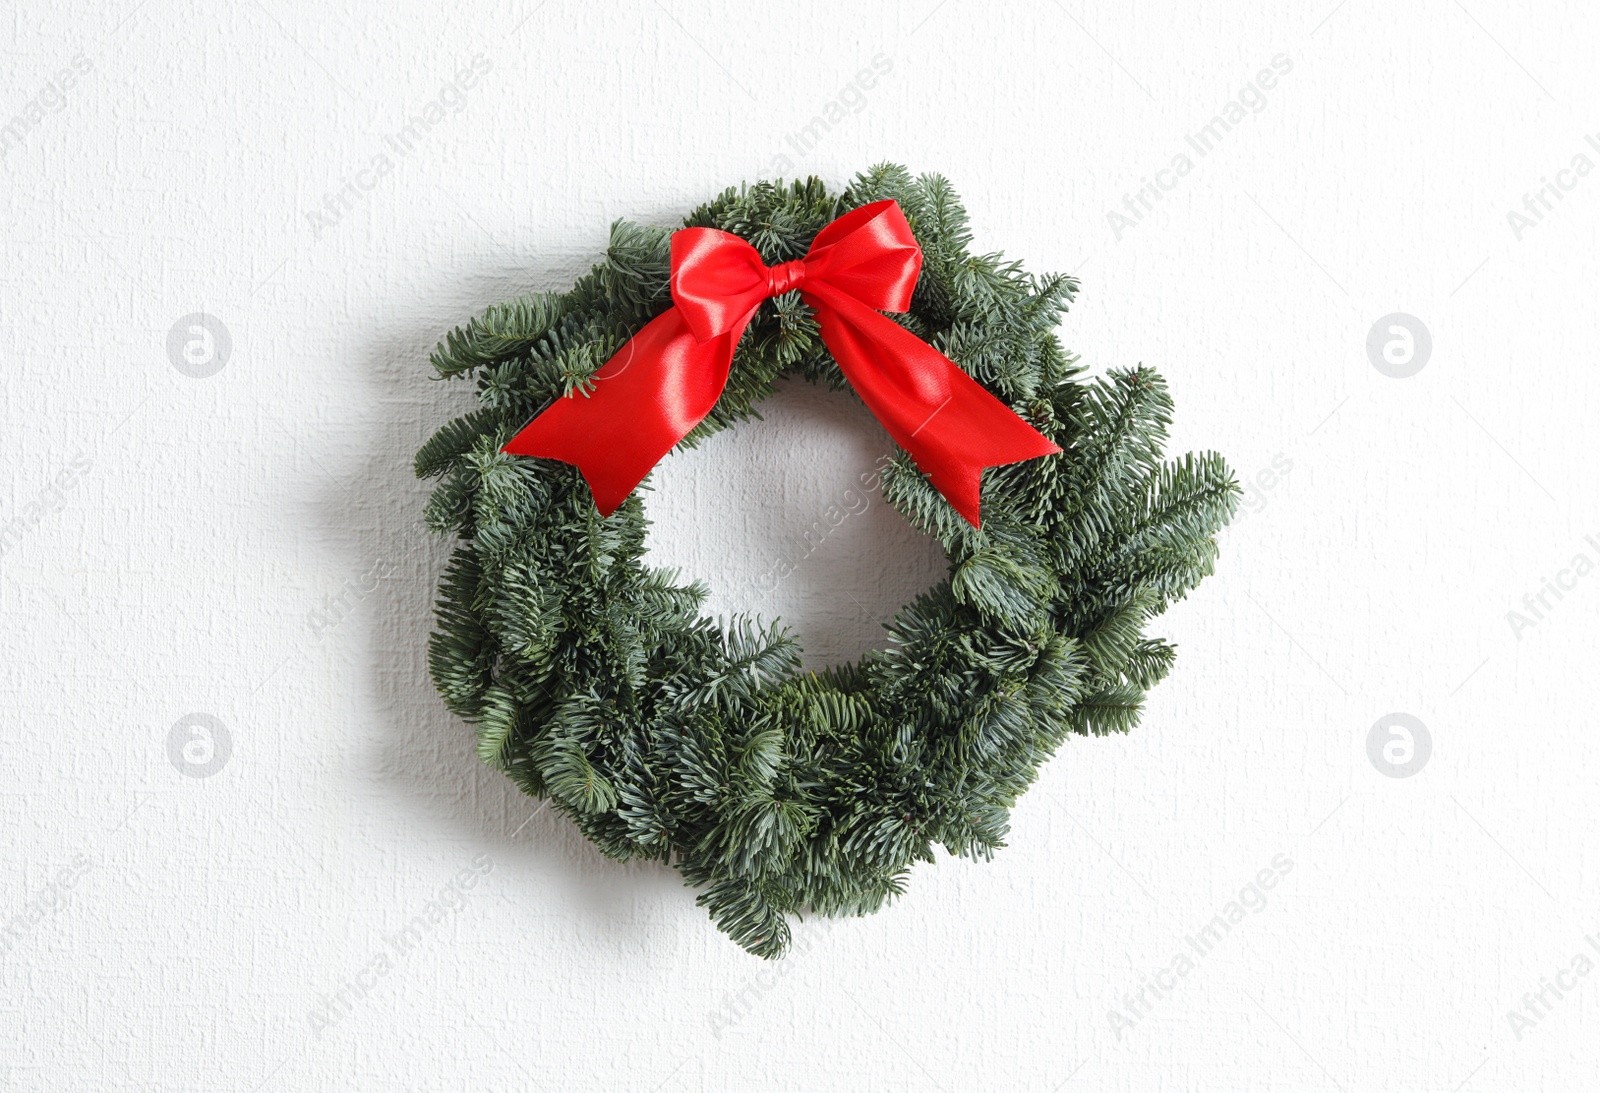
[(592, 678)]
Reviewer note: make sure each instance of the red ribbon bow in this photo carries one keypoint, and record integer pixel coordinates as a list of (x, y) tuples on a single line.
[(667, 378)]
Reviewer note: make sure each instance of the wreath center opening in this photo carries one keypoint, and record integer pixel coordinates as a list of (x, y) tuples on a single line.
[(784, 518)]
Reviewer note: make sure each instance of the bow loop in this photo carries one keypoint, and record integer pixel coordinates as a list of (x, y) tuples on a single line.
[(869, 254), (718, 280)]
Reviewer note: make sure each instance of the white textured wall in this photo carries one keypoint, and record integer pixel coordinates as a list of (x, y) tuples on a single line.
[(237, 553)]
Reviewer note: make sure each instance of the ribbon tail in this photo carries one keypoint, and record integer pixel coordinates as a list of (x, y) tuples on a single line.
[(949, 424), (645, 399)]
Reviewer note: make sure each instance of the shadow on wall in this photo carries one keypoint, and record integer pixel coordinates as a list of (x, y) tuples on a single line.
[(781, 517), (423, 773)]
